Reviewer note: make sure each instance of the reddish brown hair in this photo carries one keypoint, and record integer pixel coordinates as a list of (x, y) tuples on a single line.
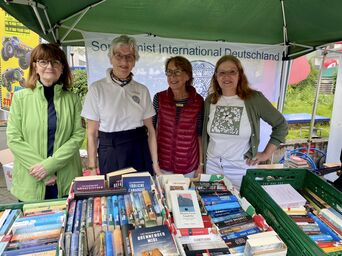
[(183, 64), (243, 90), (49, 52)]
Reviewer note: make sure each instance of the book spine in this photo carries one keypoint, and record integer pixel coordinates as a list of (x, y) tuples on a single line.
[(78, 213), (109, 243), (71, 213), (117, 242), (194, 231), (97, 211), (84, 215), (124, 226), (82, 243), (110, 218), (32, 250), (241, 233), (321, 237), (9, 221), (148, 204), (4, 216), (67, 243), (74, 244), (129, 209), (228, 217), (214, 207), (104, 212), (138, 208), (116, 216)]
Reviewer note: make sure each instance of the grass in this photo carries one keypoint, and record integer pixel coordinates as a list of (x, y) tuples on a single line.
[(300, 99)]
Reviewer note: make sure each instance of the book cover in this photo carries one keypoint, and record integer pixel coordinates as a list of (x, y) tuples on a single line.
[(90, 222), (136, 183), (9, 221), (114, 178), (185, 209), (124, 226), (32, 250), (285, 195), (93, 182), (97, 217), (78, 215), (153, 241), (71, 216)]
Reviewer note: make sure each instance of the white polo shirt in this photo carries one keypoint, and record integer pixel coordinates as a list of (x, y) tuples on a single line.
[(117, 108)]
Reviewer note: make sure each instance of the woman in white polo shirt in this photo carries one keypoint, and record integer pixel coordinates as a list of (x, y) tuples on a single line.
[(119, 113)]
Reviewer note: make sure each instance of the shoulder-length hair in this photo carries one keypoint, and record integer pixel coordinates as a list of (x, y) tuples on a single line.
[(183, 64), (49, 52), (243, 90)]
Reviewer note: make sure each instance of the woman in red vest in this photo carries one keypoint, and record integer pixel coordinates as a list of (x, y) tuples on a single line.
[(179, 121)]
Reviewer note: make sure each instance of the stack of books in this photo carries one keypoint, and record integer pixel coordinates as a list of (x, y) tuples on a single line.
[(295, 162), (35, 231)]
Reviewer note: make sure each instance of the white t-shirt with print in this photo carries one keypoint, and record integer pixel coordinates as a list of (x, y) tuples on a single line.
[(229, 129), (117, 108)]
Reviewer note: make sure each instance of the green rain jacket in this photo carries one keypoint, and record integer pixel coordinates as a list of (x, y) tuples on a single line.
[(27, 135)]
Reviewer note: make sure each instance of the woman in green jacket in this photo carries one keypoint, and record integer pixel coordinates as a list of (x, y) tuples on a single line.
[(232, 123), (45, 129)]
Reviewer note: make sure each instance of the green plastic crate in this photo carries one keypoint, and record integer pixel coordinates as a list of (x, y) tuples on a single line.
[(297, 241)]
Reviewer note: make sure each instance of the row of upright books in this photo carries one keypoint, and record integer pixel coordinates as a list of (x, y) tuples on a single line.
[(32, 229)]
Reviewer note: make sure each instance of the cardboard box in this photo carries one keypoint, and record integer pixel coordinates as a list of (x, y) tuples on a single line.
[(6, 159)]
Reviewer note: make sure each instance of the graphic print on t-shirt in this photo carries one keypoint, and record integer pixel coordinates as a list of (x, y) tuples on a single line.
[(227, 120)]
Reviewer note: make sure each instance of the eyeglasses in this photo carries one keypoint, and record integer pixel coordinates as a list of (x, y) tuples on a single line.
[(227, 73), (45, 63), (176, 72), (120, 57)]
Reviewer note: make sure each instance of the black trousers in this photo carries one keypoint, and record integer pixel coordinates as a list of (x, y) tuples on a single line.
[(124, 149)]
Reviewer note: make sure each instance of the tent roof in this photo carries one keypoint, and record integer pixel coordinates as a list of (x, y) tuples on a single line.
[(309, 22)]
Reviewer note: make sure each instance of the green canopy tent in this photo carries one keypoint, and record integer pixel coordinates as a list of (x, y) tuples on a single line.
[(300, 25)]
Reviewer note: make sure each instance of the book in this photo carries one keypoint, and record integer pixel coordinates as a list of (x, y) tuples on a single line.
[(135, 182), (12, 216), (74, 244), (285, 195), (163, 179), (169, 187), (153, 241), (4, 216), (78, 215), (264, 243), (185, 209), (97, 217), (124, 226), (109, 243), (104, 212), (34, 250), (71, 215), (93, 182), (90, 222), (114, 178)]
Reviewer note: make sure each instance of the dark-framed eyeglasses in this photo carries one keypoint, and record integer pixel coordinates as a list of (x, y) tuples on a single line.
[(45, 63), (176, 72)]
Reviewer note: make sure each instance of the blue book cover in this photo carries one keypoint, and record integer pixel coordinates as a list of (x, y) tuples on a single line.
[(74, 244), (31, 229), (217, 199), (137, 183), (124, 225), (109, 243), (116, 216), (110, 218), (214, 207), (237, 234), (9, 221), (71, 216), (153, 241), (32, 250), (77, 220)]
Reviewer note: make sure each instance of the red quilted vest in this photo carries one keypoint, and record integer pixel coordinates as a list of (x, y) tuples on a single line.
[(178, 147)]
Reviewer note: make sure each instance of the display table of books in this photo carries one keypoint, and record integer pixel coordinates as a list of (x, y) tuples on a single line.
[(32, 228), (129, 213), (303, 208), (133, 213)]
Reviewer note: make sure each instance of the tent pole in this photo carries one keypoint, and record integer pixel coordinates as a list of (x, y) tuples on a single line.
[(48, 20), (284, 78), (314, 108)]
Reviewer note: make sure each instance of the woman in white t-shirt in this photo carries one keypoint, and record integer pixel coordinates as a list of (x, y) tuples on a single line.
[(119, 111), (232, 123)]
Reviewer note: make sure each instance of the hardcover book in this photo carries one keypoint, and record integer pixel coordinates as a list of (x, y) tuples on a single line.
[(93, 182), (136, 182), (153, 241), (185, 209), (114, 178)]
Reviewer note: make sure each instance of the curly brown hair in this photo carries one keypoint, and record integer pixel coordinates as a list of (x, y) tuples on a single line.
[(49, 52), (243, 90)]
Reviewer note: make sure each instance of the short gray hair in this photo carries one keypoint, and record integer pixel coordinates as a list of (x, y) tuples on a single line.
[(124, 40)]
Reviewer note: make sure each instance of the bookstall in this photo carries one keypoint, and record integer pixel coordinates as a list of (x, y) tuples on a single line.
[(321, 199)]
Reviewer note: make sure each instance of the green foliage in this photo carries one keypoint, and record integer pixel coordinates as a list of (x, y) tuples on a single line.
[(80, 86), (300, 99)]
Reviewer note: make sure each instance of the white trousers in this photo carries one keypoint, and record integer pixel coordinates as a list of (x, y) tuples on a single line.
[(232, 170)]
